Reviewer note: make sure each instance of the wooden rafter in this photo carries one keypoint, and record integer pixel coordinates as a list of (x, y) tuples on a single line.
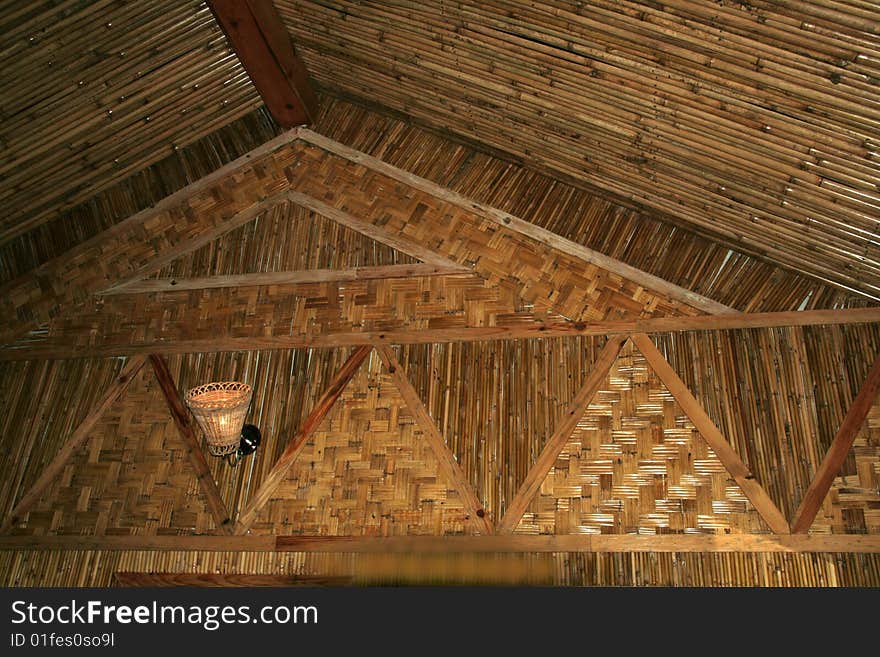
[(294, 447), (519, 225), (379, 272), (792, 543), (737, 469), (399, 242), (76, 439), (258, 36), (571, 416), (836, 454), (191, 443), (524, 328), (454, 475)]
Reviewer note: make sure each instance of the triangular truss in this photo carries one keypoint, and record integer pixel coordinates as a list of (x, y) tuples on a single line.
[(427, 262)]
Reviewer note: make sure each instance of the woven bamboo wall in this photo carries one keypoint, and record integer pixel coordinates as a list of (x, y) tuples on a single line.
[(752, 123), (96, 568), (367, 470), (636, 464), (96, 92), (131, 476), (560, 205), (514, 274)]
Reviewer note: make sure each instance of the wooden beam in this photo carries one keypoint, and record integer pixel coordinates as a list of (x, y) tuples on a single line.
[(258, 36), (191, 443), (395, 241), (836, 454), (294, 447), (522, 329), (618, 543), (711, 434), (76, 439), (571, 416), (284, 278), (521, 226), (225, 580), (452, 472)]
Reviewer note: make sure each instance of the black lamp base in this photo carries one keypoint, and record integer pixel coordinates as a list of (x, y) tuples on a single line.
[(250, 440)]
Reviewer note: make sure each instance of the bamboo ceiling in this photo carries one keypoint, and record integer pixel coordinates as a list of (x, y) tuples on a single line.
[(93, 92), (754, 123)]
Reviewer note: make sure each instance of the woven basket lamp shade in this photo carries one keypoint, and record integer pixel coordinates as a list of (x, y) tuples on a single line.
[(219, 409)]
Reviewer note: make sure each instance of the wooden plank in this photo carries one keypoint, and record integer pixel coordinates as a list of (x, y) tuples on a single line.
[(621, 543), (225, 580), (284, 278), (212, 543), (703, 423), (256, 34), (294, 447), (76, 439), (399, 242), (521, 226), (571, 416), (205, 237), (523, 329), (191, 443), (837, 452), (452, 472), (584, 543)]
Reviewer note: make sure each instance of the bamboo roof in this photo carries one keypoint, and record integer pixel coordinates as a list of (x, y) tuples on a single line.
[(593, 283), (754, 124)]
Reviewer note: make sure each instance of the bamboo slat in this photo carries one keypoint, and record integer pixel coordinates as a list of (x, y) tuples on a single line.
[(713, 119), (98, 92)]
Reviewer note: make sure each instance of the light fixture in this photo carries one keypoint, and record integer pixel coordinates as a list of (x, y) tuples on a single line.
[(219, 409)]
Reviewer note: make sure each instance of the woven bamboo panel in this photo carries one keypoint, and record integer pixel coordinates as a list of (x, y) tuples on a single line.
[(132, 476), (566, 207), (42, 403), (511, 265), (367, 470), (778, 395), (753, 124), (852, 506), (97, 568), (94, 92), (542, 276), (635, 463), (286, 238)]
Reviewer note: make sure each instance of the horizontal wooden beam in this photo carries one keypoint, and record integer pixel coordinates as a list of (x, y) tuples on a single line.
[(33, 349), (258, 36), (225, 580), (285, 278), (862, 543)]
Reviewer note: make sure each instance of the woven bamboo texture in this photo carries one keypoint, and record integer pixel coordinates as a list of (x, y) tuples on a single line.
[(96, 568), (132, 476), (514, 273), (367, 470), (853, 503), (565, 207), (636, 464), (95, 92), (753, 124)]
